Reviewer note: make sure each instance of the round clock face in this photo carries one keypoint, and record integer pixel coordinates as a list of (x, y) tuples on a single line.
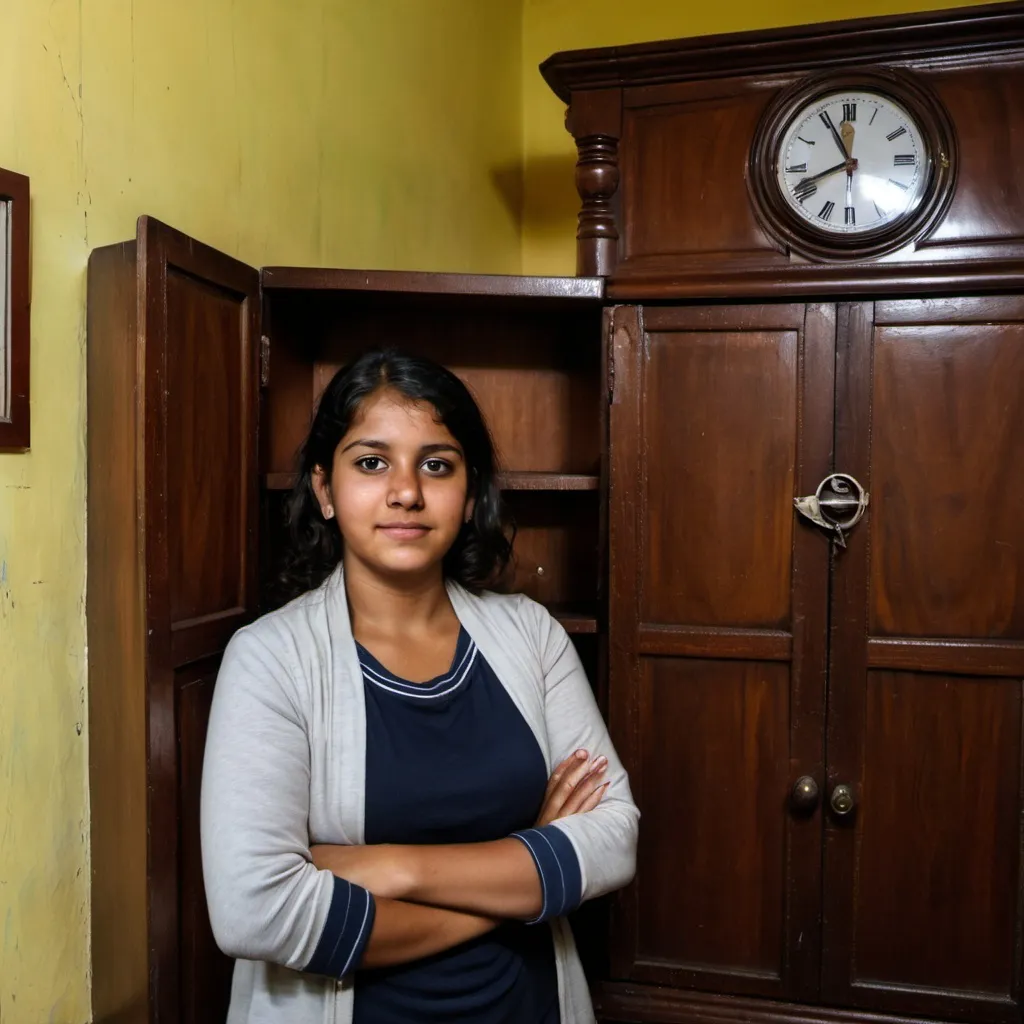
[(852, 162)]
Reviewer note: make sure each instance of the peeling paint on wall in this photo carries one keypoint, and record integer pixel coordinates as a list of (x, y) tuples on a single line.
[(311, 132)]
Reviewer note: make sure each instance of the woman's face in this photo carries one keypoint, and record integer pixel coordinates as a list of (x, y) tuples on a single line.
[(398, 487)]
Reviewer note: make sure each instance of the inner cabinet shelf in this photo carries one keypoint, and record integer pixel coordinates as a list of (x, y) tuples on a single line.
[(529, 349), (522, 481)]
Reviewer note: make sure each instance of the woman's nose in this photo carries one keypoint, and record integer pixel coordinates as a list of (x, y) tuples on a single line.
[(405, 490)]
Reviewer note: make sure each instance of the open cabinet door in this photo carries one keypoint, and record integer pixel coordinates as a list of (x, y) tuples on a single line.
[(720, 417), (199, 323), (173, 357)]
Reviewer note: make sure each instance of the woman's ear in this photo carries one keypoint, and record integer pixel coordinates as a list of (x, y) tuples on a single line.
[(322, 490), (470, 506)]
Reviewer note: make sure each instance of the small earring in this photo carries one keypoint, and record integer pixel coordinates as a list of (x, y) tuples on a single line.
[(329, 512)]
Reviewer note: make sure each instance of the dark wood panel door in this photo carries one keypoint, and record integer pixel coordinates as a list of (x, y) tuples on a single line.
[(720, 416), (199, 328), (923, 892), (205, 970)]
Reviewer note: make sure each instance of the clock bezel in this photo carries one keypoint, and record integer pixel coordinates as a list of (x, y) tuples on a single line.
[(785, 226)]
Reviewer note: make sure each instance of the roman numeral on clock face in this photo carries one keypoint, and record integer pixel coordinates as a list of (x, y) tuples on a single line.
[(825, 213), (797, 169), (904, 160), (898, 184), (851, 215), (894, 135), (849, 111)]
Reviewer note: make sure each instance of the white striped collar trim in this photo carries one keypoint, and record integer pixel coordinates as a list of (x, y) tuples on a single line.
[(423, 691)]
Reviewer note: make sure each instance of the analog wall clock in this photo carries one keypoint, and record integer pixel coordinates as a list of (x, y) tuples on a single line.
[(852, 165)]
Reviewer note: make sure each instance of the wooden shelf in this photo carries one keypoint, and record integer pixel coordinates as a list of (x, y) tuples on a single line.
[(578, 290), (574, 620), (509, 481), (549, 482), (278, 481)]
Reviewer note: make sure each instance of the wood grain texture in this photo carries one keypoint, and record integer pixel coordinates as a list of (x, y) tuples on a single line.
[(620, 1002), (929, 35), (710, 861), (948, 469), (711, 720), (931, 906), (923, 882), (715, 485), (115, 618), (185, 288), (205, 970), (495, 287)]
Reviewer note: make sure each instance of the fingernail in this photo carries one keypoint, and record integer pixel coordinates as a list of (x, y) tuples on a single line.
[(601, 762), (581, 754)]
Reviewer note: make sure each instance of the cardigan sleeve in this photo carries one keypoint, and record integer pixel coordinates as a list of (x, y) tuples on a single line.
[(267, 900), (605, 838)]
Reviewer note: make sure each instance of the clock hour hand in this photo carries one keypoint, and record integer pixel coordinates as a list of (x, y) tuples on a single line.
[(825, 173)]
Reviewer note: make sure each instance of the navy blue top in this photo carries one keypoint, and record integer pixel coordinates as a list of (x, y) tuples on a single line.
[(452, 760)]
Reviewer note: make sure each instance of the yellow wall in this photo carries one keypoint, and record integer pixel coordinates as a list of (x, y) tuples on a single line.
[(346, 132), (550, 202)]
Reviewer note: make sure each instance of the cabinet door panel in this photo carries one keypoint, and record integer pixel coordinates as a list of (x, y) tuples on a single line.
[(722, 728), (205, 970), (923, 878), (199, 328), (716, 473), (720, 417)]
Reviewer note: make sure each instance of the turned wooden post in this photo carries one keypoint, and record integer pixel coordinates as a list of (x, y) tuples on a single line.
[(597, 180)]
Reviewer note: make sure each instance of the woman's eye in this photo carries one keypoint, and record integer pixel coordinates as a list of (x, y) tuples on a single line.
[(436, 467), (371, 463)]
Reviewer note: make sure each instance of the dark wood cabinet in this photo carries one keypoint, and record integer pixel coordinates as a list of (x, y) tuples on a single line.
[(749, 652), (825, 738), (824, 730)]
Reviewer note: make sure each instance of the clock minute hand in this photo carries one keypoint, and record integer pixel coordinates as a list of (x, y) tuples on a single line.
[(835, 135)]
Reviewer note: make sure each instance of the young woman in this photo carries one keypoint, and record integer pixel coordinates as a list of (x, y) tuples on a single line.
[(407, 781)]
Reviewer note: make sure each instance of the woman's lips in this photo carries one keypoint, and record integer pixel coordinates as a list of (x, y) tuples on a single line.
[(404, 531)]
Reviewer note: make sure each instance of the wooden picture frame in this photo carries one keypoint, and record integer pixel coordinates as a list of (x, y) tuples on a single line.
[(14, 312)]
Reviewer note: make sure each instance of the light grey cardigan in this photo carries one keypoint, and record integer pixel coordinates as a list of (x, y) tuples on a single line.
[(285, 767)]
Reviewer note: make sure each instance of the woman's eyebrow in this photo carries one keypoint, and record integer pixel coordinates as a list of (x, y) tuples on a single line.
[(365, 442), (429, 449)]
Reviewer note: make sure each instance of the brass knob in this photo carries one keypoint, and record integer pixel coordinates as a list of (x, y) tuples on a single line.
[(842, 800), (804, 796)]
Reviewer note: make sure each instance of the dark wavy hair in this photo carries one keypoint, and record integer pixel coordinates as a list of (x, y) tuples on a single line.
[(483, 549)]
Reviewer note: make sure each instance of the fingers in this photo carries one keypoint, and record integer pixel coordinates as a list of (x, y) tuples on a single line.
[(594, 799), (585, 787), (574, 759)]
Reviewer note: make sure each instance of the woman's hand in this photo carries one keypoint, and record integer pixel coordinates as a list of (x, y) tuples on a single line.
[(385, 870), (575, 787)]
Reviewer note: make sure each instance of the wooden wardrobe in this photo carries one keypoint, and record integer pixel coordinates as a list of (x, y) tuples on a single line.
[(823, 730)]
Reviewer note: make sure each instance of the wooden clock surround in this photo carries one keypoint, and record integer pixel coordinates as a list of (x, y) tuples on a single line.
[(826, 743), (664, 134), (790, 233)]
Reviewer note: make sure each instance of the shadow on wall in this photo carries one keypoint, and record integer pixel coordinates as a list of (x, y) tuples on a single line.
[(550, 208), (541, 195)]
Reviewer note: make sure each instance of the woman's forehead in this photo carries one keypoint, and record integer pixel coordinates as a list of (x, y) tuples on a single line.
[(389, 415)]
